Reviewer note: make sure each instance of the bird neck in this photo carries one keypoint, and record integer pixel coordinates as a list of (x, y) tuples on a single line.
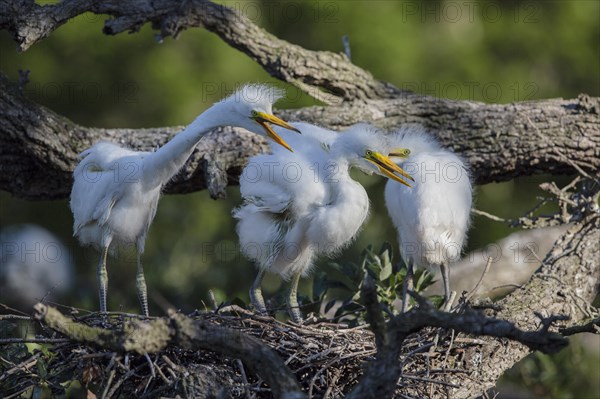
[(345, 211), (161, 165), (339, 177)]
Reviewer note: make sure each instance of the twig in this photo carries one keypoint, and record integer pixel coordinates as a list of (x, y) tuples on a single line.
[(213, 300), (448, 384), (151, 364), (485, 271), (17, 394), (9, 341), (25, 365), (244, 377), (123, 378), (490, 216), (106, 393), (590, 327), (14, 317), (8, 308)]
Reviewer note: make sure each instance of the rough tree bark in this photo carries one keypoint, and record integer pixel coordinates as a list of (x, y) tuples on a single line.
[(565, 284), (499, 141), (38, 152)]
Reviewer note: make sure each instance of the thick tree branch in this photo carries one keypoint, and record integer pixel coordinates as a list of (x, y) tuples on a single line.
[(155, 335), (565, 284), (514, 259), (38, 153), (309, 70), (379, 381), (38, 148)]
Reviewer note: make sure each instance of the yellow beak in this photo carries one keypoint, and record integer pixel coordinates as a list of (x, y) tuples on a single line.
[(388, 168), (264, 119)]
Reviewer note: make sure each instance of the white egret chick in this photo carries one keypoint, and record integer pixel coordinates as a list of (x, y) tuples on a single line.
[(432, 218), (116, 190), (305, 205), (34, 265)]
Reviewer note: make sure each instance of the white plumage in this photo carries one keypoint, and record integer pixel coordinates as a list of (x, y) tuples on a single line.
[(34, 265), (116, 190), (302, 205), (432, 217)]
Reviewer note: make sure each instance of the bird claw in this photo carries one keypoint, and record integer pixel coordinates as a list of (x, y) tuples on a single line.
[(261, 311), (257, 301), (295, 314)]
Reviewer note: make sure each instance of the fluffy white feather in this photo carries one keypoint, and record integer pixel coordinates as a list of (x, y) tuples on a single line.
[(432, 217), (116, 190), (302, 205)]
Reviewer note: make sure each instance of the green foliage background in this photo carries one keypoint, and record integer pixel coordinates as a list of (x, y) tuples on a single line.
[(489, 51)]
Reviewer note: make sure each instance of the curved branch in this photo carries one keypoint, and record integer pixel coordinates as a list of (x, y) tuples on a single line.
[(565, 284), (309, 70), (38, 148), (155, 335), (571, 269)]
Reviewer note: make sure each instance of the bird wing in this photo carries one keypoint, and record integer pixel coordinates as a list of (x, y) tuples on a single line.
[(286, 179), (433, 216), (103, 155), (278, 190), (97, 182)]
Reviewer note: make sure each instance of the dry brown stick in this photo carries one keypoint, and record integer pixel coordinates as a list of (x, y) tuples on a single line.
[(26, 364)]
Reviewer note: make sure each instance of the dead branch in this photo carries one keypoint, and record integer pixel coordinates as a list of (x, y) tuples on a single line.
[(380, 378), (592, 326), (155, 335)]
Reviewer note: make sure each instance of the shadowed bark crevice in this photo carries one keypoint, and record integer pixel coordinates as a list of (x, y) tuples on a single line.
[(39, 148)]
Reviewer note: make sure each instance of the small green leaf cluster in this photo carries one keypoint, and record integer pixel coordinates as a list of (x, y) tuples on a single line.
[(337, 286)]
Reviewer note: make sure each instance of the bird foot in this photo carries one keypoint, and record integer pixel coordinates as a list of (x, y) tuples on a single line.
[(295, 314), (259, 308), (261, 311), (258, 302)]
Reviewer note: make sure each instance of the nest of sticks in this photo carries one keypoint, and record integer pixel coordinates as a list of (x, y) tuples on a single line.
[(326, 359)]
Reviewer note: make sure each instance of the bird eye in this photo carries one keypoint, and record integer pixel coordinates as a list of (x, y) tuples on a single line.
[(368, 153), (254, 113)]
